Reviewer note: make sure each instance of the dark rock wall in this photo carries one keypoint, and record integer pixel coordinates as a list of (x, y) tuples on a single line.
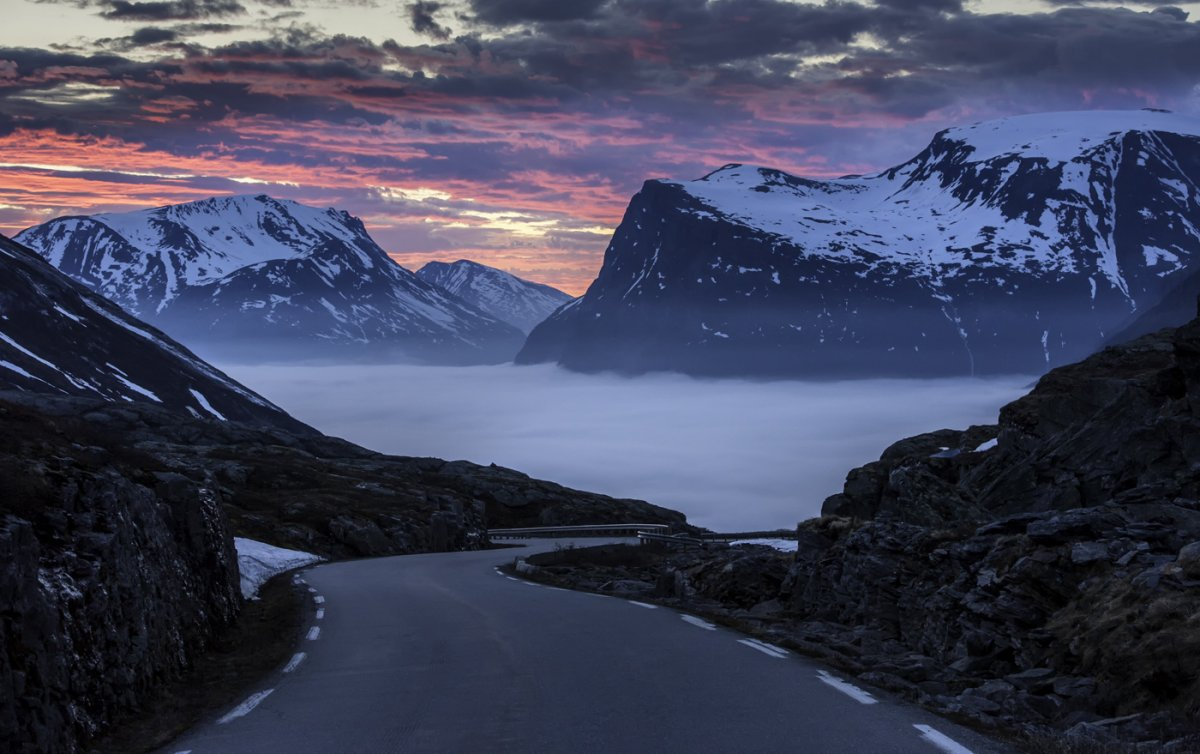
[(113, 579), (1051, 578)]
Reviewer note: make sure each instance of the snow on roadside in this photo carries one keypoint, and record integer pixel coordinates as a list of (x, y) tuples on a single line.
[(259, 561), (783, 545)]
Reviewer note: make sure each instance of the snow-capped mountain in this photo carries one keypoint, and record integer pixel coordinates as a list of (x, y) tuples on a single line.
[(508, 298), (57, 337), (251, 277), (1007, 246)]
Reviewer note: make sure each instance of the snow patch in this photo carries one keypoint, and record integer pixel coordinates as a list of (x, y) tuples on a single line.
[(259, 561), (204, 404)]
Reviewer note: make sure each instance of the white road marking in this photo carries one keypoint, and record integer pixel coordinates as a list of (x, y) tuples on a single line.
[(319, 600), (510, 578), (772, 647), (312, 589), (314, 633), (698, 622), (185, 751), (530, 583), (320, 613), (761, 648), (643, 604), (849, 689), (942, 741), (294, 662), (557, 588), (245, 707)]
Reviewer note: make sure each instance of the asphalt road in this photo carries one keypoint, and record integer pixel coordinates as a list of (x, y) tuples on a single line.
[(441, 653)]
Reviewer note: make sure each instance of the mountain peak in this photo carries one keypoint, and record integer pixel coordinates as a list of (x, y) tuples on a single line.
[(521, 303), (1062, 136)]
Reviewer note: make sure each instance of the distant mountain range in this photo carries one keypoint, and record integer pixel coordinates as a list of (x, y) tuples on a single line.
[(258, 279), (1008, 246), (505, 296), (56, 337)]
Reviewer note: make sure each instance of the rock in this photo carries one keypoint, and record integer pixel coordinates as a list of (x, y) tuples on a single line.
[(1188, 560), (1088, 552)]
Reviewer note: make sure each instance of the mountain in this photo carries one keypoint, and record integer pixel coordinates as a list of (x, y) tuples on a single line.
[(254, 278), (57, 337), (505, 296), (1007, 246)]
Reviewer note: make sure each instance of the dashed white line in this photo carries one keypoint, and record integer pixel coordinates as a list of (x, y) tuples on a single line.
[(245, 707), (312, 590), (320, 613), (942, 741), (185, 751), (849, 689), (314, 633), (698, 622), (531, 583), (772, 647), (319, 600), (294, 662), (762, 648), (510, 578), (643, 604)]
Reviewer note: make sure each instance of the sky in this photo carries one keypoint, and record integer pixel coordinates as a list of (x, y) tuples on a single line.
[(514, 132), (734, 455)]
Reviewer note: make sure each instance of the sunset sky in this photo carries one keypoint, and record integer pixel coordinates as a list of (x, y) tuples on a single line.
[(513, 132)]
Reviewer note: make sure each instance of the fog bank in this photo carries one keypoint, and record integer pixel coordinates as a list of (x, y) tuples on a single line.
[(732, 455)]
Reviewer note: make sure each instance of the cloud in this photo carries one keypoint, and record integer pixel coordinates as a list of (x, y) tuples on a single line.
[(170, 10), (732, 455), (553, 111), (510, 12), (421, 16)]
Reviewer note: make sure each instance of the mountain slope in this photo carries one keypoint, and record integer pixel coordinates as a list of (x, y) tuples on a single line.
[(508, 298), (56, 337), (1008, 246), (253, 277)]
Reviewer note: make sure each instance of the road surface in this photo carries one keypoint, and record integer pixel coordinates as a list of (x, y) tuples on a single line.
[(442, 653)]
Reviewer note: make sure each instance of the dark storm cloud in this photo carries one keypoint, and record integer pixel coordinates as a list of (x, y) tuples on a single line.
[(149, 35), (170, 10), (421, 17), (510, 12)]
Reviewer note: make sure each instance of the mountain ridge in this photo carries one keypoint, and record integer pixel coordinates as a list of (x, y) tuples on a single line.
[(252, 277), (943, 265)]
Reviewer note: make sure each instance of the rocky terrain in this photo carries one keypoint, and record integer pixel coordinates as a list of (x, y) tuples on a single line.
[(1040, 576), (1009, 246), (116, 527), (116, 573)]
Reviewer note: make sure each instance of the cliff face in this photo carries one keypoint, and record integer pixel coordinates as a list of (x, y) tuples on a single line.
[(1049, 576), (115, 574)]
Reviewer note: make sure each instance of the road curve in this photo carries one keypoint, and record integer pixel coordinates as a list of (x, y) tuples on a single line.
[(441, 653)]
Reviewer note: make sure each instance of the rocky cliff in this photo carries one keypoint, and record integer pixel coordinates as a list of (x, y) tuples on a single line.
[(115, 573)]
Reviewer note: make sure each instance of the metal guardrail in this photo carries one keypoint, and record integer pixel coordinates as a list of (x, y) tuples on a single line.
[(672, 539), (559, 531)]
